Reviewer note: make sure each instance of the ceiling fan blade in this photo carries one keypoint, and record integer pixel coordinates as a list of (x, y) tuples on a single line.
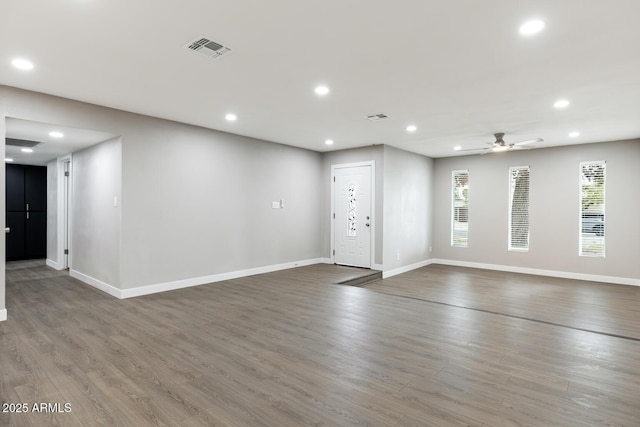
[(499, 145), (528, 141), (474, 149)]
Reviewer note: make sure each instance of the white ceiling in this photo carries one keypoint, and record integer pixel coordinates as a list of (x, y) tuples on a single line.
[(458, 70), (48, 148)]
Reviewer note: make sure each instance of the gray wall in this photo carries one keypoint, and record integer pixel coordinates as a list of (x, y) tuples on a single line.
[(195, 202), (198, 202), (554, 207), (408, 202), (95, 235)]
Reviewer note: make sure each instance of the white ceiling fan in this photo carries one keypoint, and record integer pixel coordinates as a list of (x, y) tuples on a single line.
[(500, 145)]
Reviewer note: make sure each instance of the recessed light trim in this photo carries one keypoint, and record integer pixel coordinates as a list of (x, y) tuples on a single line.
[(230, 117), (56, 134), (8, 159), (321, 90), (412, 128), (22, 64), (574, 134), (329, 141), (27, 150), (561, 103), (457, 148), (532, 27)]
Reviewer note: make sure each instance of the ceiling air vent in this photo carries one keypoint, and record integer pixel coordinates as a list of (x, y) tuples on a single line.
[(378, 116), (208, 47), (20, 143)]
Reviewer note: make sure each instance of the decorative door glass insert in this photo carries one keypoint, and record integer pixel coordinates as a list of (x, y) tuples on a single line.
[(351, 211)]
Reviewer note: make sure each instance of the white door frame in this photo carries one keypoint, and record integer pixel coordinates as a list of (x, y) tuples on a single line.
[(65, 202), (371, 163)]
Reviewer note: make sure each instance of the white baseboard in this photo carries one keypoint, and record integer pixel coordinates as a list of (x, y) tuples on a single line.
[(51, 263), (539, 272), (406, 268), (185, 283), (196, 281), (98, 284), (326, 261), (3, 314)]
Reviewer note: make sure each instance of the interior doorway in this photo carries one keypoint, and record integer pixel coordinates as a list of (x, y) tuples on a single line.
[(50, 147)]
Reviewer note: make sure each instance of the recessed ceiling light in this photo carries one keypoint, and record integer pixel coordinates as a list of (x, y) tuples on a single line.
[(532, 27), (8, 159), (329, 142), (22, 64), (561, 103), (411, 128), (27, 150), (574, 134), (457, 148), (321, 90), (56, 134), (231, 117)]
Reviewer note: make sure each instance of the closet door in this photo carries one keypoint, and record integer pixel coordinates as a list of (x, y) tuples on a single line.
[(26, 212), (35, 235), (16, 237), (35, 188), (35, 195), (15, 214), (15, 188)]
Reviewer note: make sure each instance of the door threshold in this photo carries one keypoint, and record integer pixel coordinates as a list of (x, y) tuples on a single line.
[(368, 276)]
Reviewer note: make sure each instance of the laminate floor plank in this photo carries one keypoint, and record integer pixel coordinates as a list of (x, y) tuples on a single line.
[(439, 346)]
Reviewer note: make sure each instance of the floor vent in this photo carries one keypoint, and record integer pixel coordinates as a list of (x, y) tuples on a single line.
[(207, 47)]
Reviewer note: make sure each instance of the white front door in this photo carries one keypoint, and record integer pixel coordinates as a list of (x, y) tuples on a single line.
[(353, 220)]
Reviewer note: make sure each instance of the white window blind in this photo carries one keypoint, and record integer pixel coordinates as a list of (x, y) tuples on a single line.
[(519, 208), (592, 208), (460, 208)]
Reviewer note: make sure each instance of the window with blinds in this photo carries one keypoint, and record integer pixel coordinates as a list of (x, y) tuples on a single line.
[(519, 208), (592, 202), (460, 208)]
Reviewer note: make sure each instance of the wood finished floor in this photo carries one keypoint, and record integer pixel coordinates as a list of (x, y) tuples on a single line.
[(291, 349), (590, 306)]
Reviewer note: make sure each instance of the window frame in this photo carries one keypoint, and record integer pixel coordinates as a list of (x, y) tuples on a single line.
[(454, 174), (581, 244), (511, 189)]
